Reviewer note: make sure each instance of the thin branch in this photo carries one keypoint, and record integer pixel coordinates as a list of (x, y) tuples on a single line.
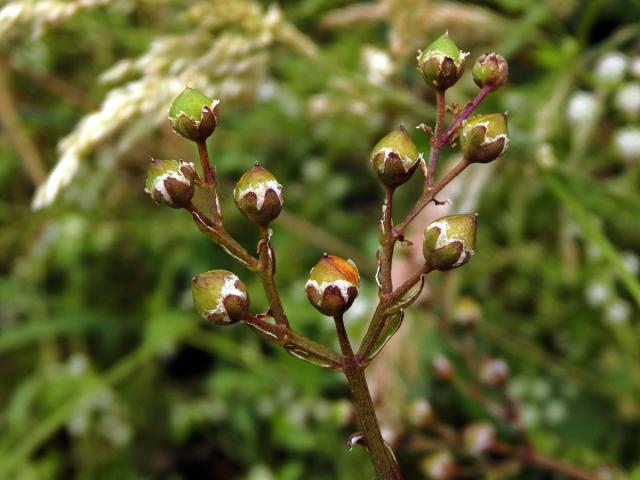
[(464, 114), (383, 463), (210, 181), (436, 140), (286, 337), (219, 235), (386, 257), (267, 275), (12, 126)]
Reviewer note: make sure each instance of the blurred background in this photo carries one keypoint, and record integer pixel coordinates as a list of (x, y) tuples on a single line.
[(106, 372)]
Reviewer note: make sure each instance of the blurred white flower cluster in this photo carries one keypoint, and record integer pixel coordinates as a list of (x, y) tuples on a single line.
[(226, 54), (35, 17), (615, 96)]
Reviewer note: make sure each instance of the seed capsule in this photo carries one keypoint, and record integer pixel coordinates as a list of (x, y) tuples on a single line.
[(449, 242), (171, 182), (484, 137), (479, 438), (395, 158), (220, 297), (194, 115), (491, 70), (259, 195), (441, 63), (333, 285)]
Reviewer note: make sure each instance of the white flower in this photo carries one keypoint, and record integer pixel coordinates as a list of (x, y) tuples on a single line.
[(631, 262), (378, 64), (627, 143), (618, 312), (582, 108), (628, 99), (597, 293), (634, 67), (612, 67)]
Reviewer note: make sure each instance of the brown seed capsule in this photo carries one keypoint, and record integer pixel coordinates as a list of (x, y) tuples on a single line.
[(171, 182), (395, 158), (484, 137), (479, 438), (333, 285), (194, 115), (441, 63), (220, 297), (449, 242), (259, 195), (491, 70)]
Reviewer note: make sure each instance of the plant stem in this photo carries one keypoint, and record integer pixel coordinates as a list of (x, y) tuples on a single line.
[(386, 258), (383, 463), (219, 235), (428, 196), (464, 114), (267, 275), (534, 458), (286, 337), (210, 181), (436, 141)]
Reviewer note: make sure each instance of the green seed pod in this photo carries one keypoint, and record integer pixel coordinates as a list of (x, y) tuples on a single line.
[(441, 63), (194, 115), (484, 137), (220, 297), (259, 195), (491, 70), (171, 182), (333, 285), (449, 242), (479, 438), (395, 158)]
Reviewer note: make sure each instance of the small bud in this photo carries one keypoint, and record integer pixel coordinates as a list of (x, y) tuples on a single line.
[(171, 182), (491, 70), (494, 372), (194, 115), (441, 63), (395, 158), (420, 413), (442, 367), (479, 438), (466, 313), (440, 465), (220, 297), (333, 285), (484, 137), (259, 195), (449, 242)]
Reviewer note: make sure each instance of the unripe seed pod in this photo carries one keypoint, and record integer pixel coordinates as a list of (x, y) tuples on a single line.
[(333, 285), (494, 372), (491, 70), (439, 465), (449, 242), (259, 195), (441, 63), (484, 137), (171, 182), (395, 157), (479, 438), (220, 297), (194, 115)]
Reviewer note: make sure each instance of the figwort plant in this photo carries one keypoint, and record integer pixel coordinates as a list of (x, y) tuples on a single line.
[(449, 242)]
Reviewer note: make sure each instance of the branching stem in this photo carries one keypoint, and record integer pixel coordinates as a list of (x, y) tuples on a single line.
[(383, 462)]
